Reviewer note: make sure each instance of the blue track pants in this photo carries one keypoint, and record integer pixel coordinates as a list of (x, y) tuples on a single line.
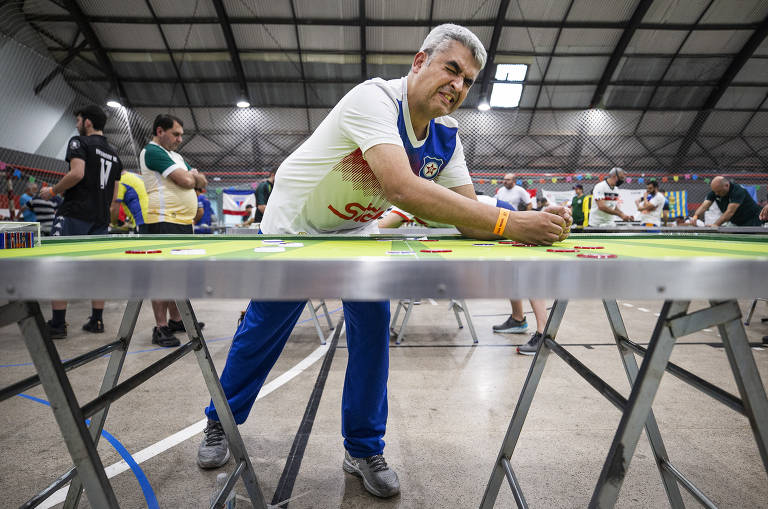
[(261, 337)]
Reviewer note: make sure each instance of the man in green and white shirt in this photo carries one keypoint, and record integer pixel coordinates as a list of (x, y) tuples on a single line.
[(169, 180), (172, 206)]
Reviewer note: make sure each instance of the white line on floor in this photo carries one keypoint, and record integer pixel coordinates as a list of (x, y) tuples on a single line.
[(656, 314), (627, 304), (194, 429), (433, 302), (707, 330), (644, 310)]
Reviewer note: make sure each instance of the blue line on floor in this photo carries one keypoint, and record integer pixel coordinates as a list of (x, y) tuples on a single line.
[(162, 348), (146, 488)]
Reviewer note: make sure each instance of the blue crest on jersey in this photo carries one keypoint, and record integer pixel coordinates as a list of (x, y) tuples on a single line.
[(428, 160), (431, 167)]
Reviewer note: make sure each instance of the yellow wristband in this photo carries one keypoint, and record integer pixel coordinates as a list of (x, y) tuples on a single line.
[(501, 222)]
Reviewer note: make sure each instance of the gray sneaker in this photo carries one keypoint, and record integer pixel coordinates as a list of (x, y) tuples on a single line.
[(214, 449), (531, 346), (378, 478), (512, 326)]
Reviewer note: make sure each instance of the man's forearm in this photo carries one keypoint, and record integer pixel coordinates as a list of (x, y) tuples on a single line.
[(699, 212), (67, 181)]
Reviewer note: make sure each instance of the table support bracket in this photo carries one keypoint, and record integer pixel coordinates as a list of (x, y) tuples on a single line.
[(674, 321)]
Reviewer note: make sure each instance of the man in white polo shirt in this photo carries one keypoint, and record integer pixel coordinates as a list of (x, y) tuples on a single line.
[(382, 143), (513, 194)]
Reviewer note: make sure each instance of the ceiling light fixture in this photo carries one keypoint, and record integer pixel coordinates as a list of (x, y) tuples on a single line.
[(243, 104), (114, 104)]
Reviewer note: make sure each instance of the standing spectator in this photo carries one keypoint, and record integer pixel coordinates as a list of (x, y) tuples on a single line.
[(513, 194), (651, 205), (45, 210), (577, 206), (262, 196), (203, 223), (172, 207), (89, 188), (605, 200), (132, 194), (28, 215)]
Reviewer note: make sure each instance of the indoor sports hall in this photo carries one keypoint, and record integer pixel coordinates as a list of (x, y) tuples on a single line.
[(226, 279)]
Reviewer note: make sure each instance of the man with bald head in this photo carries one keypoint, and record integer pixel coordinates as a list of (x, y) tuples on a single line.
[(735, 203), (605, 200), (514, 194)]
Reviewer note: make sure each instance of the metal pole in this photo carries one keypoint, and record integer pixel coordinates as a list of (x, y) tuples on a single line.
[(66, 410), (236, 445)]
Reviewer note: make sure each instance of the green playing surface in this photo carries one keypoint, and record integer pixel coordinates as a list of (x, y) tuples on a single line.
[(316, 248)]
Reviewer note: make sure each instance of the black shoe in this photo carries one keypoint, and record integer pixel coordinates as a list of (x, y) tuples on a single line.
[(56, 331), (163, 336), (765, 340), (96, 326), (179, 326)]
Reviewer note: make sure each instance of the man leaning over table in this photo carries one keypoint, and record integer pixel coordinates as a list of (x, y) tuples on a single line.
[(382, 143)]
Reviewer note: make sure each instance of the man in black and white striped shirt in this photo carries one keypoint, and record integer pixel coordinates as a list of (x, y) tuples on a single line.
[(45, 210)]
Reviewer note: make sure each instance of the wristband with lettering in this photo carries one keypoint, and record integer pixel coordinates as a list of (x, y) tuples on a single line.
[(501, 222)]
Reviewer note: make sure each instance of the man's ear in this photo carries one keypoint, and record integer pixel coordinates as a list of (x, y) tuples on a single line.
[(419, 61)]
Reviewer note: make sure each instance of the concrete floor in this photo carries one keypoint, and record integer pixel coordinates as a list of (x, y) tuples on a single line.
[(449, 407)]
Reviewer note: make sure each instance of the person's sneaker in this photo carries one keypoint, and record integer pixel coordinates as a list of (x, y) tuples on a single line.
[(512, 326), (214, 449), (378, 478), (56, 331), (163, 336), (531, 346), (179, 326), (95, 326)]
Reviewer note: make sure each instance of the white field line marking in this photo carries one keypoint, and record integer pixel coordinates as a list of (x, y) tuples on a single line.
[(707, 330), (433, 302), (627, 304), (656, 314), (644, 310), (196, 428)]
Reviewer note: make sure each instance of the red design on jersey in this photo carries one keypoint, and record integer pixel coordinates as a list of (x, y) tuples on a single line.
[(359, 213), (355, 169)]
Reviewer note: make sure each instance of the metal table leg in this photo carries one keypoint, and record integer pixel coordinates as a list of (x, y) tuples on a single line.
[(651, 428), (521, 412), (748, 381), (326, 313), (316, 321), (400, 334), (66, 409), (461, 305), (243, 466), (638, 408), (115, 366)]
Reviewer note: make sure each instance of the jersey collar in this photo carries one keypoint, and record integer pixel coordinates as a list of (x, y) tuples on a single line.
[(415, 143)]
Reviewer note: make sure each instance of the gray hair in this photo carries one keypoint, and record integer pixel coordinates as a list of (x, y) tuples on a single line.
[(443, 34)]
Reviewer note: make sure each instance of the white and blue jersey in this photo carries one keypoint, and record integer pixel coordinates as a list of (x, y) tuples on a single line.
[(326, 185)]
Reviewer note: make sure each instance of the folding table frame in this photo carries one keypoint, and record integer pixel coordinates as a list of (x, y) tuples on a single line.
[(674, 321), (81, 439), (456, 305)]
